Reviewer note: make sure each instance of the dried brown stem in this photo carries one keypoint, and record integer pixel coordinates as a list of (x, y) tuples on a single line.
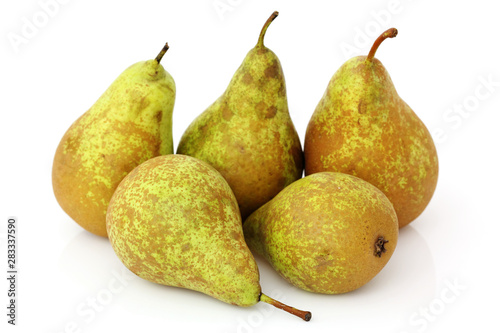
[(271, 18), (389, 33), (162, 53), (305, 315)]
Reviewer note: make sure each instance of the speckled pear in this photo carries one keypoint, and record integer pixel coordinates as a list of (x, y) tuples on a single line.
[(129, 124), (247, 134), (362, 127), (174, 220), (327, 233)]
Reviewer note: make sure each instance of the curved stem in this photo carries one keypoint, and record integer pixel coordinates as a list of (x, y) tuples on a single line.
[(389, 33), (305, 315), (271, 18), (162, 53)]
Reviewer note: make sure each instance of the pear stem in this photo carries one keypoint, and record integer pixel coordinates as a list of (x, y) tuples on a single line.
[(389, 33), (305, 315), (271, 18), (162, 53)]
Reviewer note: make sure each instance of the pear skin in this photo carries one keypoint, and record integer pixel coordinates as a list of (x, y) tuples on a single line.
[(174, 220), (129, 124), (247, 134), (362, 127), (327, 233)]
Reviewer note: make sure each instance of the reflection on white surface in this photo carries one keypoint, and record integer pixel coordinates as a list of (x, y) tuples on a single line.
[(405, 285), (87, 258)]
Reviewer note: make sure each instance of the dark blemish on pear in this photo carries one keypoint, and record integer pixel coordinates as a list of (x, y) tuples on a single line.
[(362, 107), (227, 114), (271, 111), (261, 106), (282, 91), (380, 246), (159, 116), (272, 71), (247, 78), (204, 129)]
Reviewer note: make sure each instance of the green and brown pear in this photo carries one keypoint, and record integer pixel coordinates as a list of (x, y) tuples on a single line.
[(247, 134), (129, 124), (174, 220), (362, 127), (327, 233)]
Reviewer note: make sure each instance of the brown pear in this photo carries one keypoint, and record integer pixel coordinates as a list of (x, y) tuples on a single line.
[(327, 233), (129, 124), (247, 134), (174, 220), (362, 127)]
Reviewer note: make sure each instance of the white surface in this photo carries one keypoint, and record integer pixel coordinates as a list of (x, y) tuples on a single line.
[(437, 61)]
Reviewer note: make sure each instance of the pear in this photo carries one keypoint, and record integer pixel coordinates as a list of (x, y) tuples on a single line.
[(327, 233), (247, 133), (175, 221), (362, 127), (129, 124)]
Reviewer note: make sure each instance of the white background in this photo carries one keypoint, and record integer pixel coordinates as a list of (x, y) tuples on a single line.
[(439, 61)]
